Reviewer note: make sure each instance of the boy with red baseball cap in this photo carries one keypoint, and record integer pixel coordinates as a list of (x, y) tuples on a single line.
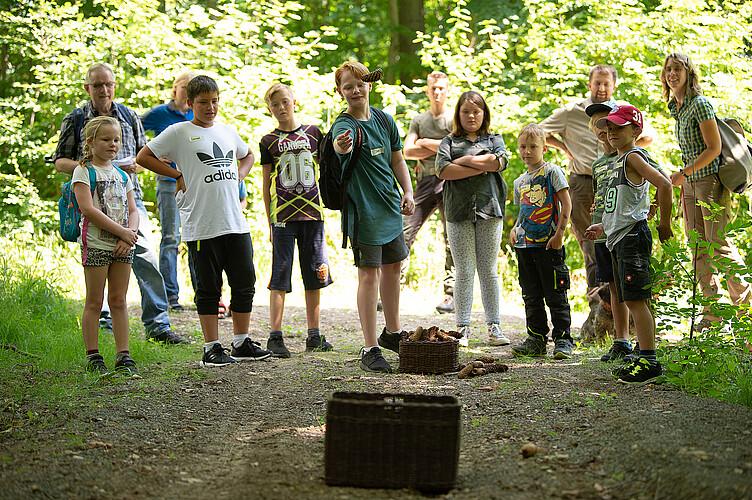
[(628, 238)]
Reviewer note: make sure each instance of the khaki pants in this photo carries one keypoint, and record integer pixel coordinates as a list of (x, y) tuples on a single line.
[(581, 193), (710, 190)]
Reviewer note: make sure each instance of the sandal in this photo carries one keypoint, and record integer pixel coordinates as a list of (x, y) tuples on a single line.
[(222, 314)]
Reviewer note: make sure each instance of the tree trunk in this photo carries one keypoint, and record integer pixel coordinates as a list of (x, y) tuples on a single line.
[(406, 18)]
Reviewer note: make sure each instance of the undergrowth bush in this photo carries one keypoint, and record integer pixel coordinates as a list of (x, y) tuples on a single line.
[(715, 362)]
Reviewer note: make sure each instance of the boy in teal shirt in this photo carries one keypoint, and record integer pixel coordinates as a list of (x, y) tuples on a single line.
[(379, 246)]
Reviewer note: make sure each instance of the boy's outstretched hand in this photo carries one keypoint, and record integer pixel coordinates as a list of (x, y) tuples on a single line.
[(594, 232), (343, 143), (664, 232)]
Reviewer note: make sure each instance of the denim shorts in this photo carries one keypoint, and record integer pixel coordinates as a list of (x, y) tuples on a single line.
[(314, 263), (631, 262), (380, 255)]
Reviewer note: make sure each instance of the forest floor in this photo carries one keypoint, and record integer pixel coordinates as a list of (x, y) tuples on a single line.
[(256, 430)]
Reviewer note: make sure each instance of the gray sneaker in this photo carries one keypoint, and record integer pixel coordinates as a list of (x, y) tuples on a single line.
[(373, 361), (496, 336)]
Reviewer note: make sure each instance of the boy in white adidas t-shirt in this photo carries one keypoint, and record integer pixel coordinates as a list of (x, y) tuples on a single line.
[(211, 159)]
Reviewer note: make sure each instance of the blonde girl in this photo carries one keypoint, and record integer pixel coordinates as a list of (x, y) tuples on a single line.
[(109, 224), (700, 144)]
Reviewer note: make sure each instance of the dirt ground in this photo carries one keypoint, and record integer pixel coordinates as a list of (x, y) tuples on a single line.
[(256, 430)]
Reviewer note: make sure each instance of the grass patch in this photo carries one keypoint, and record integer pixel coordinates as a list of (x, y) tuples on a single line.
[(39, 318)]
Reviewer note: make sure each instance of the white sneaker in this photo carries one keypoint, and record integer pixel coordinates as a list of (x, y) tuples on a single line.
[(496, 336), (465, 331)]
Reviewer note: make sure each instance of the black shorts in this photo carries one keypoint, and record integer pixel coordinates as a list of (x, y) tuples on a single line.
[(631, 262), (380, 255), (314, 264), (604, 271)]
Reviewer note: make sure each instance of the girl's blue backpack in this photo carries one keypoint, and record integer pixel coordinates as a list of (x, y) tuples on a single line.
[(70, 215)]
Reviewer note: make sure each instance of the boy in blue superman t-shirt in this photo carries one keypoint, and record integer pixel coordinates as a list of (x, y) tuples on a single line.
[(543, 195)]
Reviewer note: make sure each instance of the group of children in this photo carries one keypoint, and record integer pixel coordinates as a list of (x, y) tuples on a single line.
[(212, 159)]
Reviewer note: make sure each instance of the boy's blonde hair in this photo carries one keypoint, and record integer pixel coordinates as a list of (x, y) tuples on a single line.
[(693, 78), (533, 130), (185, 77), (90, 132), (277, 87), (357, 69), (596, 116)]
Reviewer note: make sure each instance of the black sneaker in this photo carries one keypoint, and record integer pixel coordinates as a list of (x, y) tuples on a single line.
[(317, 343), (639, 370), (563, 349), (175, 305), (126, 366), (95, 365), (373, 361), (277, 347), (251, 351), (533, 346), (389, 340), (167, 337), (446, 306), (618, 351), (217, 356)]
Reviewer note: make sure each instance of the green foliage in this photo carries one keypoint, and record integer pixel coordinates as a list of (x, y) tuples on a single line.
[(37, 316), (22, 208), (716, 362)]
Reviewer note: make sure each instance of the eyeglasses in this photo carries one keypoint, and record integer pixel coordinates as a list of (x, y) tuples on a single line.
[(97, 86)]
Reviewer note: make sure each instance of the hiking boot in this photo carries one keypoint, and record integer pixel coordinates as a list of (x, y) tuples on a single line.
[(389, 340), (563, 349), (277, 347), (533, 346), (373, 361), (446, 306), (95, 365), (216, 356), (126, 366), (167, 337), (619, 350), (317, 343), (496, 336), (175, 305), (639, 370), (252, 351)]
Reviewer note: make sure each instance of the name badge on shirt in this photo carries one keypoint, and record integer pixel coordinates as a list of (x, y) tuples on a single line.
[(195, 138), (377, 151)]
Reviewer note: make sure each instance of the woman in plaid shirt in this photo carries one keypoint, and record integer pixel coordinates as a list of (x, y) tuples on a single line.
[(700, 144)]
